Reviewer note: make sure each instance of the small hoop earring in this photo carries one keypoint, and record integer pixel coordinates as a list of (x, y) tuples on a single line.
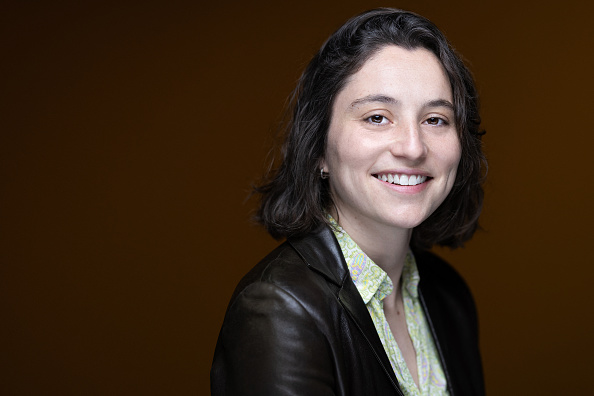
[(323, 175)]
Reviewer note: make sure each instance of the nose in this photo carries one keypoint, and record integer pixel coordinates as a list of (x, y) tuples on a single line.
[(408, 142)]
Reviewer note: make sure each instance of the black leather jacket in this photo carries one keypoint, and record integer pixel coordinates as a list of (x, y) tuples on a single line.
[(297, 325)]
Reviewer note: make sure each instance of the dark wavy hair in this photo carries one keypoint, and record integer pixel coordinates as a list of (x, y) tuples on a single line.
[(294, 197)]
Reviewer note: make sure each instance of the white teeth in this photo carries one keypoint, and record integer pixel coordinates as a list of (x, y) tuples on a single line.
[(404, 180)]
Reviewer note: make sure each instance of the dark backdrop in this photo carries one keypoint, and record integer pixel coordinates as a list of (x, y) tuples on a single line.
[(130, 135)]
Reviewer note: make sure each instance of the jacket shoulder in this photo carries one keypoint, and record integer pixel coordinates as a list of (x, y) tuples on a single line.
[(283, 268), (437, 274), (272, 341)]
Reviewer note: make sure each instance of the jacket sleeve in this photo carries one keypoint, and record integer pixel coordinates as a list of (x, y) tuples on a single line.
[(270, 345)]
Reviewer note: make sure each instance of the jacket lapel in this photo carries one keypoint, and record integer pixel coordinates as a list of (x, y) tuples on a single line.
[(353, 303), (431, 308), (322, 253), (436, 340)]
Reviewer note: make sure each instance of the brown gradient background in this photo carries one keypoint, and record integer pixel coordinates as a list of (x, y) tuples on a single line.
[(130, 134)]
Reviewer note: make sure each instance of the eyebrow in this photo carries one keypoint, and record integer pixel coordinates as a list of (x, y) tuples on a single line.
[(391, 100), (440, 103), (374, 98)]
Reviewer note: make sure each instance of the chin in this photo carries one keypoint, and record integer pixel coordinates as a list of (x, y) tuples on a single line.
[(407, 223)]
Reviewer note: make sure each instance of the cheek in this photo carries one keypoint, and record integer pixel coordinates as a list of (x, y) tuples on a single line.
[(456, 155), (451, 154), (451, 161), (447, 158), (339, 151)]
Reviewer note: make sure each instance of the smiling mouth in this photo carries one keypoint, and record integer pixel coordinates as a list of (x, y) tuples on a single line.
[(402, 180)]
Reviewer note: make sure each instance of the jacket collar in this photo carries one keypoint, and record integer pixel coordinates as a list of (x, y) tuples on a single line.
[(321, 252)]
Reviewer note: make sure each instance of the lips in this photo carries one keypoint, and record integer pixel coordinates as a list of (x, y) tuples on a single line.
[(402, 180)]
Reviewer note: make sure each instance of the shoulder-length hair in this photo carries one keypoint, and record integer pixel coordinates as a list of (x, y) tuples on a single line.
[(294, 198)]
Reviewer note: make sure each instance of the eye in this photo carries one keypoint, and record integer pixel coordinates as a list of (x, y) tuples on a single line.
[(436, 121), (377, 119)]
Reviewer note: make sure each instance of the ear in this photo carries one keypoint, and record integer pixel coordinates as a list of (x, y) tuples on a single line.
[(323, 165)]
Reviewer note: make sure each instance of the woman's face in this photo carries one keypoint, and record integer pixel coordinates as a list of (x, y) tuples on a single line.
[(393, 148)]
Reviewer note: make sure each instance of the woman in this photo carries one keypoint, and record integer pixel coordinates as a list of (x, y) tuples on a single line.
[(382, 159)]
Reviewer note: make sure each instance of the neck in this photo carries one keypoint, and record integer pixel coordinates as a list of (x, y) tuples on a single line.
[(385, 245)]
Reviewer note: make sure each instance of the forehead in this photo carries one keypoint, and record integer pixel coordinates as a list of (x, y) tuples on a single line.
[(414, 75)]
